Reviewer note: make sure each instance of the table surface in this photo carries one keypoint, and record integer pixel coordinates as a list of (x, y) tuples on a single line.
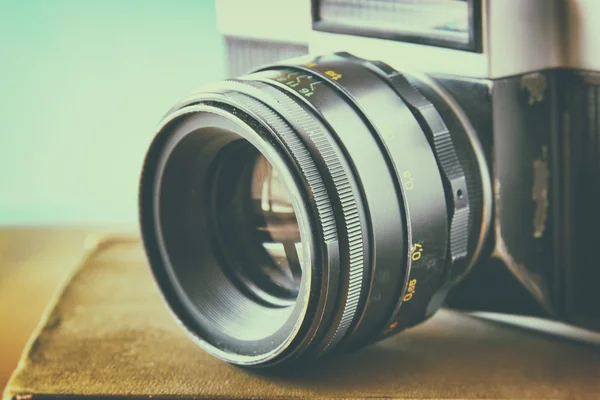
[(110, 334)]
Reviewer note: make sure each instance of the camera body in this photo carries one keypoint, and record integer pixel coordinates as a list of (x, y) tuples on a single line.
[(524, 74)]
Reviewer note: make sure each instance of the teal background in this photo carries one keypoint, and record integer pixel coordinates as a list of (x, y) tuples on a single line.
[(83, 85)]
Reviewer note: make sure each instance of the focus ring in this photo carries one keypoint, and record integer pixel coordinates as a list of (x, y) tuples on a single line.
[(348, 204), (443, 147)]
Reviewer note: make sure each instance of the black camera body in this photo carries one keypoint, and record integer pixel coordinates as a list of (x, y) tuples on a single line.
[(540, 134), (525, 75)]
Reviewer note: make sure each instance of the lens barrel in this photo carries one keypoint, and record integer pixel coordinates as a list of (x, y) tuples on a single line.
[(386, 207)]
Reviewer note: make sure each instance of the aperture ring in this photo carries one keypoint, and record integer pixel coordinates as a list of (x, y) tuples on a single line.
[(343, 189), (445, 153)]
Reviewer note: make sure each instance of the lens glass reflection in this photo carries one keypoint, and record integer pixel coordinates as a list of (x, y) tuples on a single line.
[(276, 226), (257, 224)]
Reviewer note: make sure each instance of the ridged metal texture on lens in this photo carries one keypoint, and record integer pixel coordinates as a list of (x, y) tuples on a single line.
[(447, 158), (346, 196)]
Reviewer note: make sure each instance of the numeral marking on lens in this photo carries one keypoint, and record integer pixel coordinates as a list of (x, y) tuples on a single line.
[(300, 82), (417, 252), (333, 75), (412, 287)]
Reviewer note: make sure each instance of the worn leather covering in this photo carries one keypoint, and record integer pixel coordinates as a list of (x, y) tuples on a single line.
[(108, 333)]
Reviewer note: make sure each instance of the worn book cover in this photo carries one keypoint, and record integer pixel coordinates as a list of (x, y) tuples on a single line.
[(108, 333)]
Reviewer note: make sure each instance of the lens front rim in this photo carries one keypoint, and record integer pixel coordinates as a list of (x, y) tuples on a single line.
[(310, 158), (243, 352), (348, 223)]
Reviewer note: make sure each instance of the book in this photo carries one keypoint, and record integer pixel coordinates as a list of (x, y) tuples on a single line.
[(109, 333)]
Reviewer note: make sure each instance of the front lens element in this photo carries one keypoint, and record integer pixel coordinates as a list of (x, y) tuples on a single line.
[(256, 224), (276, 227)]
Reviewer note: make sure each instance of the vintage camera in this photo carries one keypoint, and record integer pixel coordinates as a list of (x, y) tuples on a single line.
[(413, 155)]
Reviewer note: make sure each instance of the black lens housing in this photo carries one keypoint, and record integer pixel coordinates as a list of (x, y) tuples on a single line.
[(391, 203)]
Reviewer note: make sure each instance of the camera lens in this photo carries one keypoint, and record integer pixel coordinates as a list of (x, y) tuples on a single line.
[(311, 207)]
